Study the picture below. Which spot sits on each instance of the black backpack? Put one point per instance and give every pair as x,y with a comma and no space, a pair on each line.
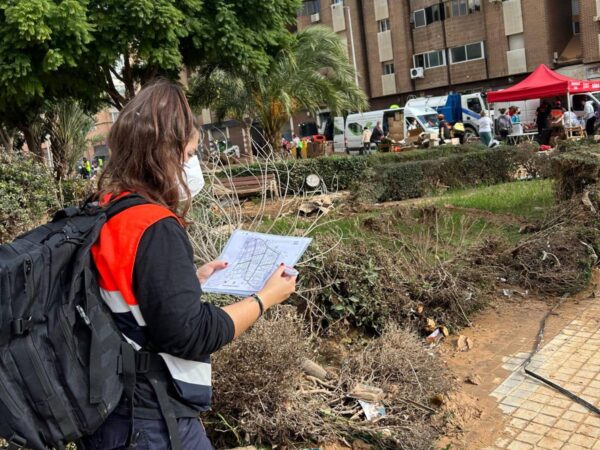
64,364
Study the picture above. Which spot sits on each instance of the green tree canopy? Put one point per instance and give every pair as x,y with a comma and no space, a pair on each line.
313,72
86,49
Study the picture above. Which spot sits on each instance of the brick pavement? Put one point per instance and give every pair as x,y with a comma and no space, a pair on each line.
541,417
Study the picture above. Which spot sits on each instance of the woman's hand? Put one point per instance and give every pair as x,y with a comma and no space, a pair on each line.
278,288
205,271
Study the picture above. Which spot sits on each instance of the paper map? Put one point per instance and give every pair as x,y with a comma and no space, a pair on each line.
252,258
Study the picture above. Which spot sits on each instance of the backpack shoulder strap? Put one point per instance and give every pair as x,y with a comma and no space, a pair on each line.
123,203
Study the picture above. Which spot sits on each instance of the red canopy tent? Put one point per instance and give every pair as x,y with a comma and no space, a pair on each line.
543,83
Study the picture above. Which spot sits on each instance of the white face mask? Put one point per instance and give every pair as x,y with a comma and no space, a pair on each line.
193,176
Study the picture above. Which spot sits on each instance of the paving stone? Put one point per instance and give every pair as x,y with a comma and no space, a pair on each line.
584,441
552,411
518,423
537,428
589,430
550,443
566,425
559,434
529,438
573,416
515,445
544,420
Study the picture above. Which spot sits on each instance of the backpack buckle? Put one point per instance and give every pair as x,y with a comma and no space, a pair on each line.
21,326
15,442
142,362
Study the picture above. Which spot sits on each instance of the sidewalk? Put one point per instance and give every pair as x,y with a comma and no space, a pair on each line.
542,418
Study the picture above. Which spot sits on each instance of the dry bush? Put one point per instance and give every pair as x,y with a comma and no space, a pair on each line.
255,378
411,377
559,257
261,395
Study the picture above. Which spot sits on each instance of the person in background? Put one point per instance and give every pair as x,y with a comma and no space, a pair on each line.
377,134
589,117
297,145
366,140
485,129
443,128
412,124
458,131
571,119
516,116
542,113
504,124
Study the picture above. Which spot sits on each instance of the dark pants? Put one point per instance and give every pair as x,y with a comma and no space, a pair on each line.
153,435
589,126
503,134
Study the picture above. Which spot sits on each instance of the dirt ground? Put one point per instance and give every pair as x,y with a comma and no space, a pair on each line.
508,326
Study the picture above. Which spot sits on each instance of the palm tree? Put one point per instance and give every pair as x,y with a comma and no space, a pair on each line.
312,73
68,125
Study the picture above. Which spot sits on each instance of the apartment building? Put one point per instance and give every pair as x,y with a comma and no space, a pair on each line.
427,47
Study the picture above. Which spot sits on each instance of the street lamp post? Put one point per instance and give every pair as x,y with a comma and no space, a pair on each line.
347,8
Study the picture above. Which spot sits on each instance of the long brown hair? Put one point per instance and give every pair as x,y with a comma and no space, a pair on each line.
147,144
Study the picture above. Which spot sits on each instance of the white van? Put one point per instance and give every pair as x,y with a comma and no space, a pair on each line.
348,137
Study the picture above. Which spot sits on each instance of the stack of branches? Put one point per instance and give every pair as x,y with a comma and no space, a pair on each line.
558,257
217,212
266,392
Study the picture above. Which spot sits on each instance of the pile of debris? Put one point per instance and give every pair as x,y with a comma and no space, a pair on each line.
270,390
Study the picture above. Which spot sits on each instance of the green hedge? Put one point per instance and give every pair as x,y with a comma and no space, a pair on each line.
340,172
576,169
414,179
27,195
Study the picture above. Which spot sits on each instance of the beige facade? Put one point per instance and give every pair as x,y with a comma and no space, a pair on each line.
460,44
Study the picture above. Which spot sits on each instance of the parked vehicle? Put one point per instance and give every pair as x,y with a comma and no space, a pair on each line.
465,108
215,148
348,133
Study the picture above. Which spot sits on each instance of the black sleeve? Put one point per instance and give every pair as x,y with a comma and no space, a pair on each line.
168,293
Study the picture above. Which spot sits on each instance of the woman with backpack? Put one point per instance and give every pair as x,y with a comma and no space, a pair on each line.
148,280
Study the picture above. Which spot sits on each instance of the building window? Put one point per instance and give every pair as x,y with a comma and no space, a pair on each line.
337,2
455,8
430,60
419,18
576,29
114,116
383,25
469,52
423,17
310,7
388,68
459,8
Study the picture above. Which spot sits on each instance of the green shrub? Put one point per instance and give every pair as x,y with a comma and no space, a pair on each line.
378,159
339,172
27,195
75,191
414,179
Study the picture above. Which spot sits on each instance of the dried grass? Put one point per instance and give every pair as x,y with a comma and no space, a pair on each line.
263,397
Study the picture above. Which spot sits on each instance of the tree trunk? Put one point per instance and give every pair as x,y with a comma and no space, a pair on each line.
34,145
6,140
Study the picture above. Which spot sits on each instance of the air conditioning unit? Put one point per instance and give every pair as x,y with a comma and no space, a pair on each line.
596,18
417,72
315,17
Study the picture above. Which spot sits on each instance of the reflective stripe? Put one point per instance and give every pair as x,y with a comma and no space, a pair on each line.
134,344
190,372
118,305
